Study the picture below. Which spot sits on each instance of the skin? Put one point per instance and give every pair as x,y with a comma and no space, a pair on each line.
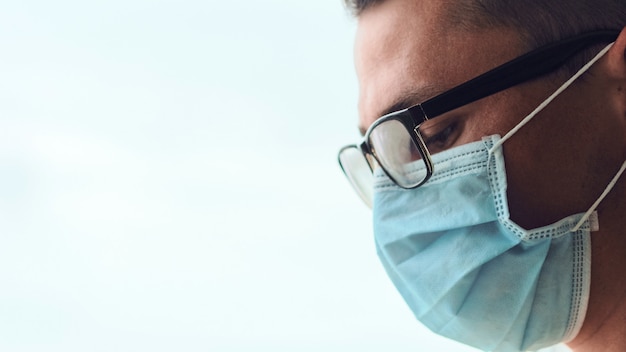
557,165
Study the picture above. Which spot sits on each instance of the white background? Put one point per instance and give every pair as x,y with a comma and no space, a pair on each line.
168,182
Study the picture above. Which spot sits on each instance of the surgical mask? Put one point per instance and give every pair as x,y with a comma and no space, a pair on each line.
470,273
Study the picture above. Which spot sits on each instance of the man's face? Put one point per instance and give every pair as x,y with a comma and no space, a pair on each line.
408,51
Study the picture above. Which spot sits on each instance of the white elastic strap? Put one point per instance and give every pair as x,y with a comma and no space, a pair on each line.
551,97
595,205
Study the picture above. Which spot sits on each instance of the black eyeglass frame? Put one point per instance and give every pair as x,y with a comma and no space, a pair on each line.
531,65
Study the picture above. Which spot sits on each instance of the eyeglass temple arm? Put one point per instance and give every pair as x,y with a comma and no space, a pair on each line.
528,66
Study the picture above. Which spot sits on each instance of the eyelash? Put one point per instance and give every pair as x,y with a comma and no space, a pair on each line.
442,140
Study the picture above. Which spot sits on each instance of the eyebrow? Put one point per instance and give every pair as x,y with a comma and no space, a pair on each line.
407,99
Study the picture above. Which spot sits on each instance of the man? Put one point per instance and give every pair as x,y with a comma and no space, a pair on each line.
501,258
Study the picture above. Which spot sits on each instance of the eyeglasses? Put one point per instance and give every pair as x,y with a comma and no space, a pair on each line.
401,142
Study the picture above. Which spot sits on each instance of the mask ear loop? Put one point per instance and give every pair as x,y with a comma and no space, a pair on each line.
550,98
541,107
597,202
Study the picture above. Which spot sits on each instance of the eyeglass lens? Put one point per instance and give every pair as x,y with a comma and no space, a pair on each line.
358,171
397,152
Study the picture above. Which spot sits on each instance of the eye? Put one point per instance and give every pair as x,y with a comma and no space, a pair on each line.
441,135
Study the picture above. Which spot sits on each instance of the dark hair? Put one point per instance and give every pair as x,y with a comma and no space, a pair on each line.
538,22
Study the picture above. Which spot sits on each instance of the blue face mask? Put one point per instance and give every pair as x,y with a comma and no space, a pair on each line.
466,270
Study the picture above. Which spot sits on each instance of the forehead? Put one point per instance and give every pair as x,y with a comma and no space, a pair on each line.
407,51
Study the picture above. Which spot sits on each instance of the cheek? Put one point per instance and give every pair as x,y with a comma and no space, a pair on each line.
535,180
542,158
555,166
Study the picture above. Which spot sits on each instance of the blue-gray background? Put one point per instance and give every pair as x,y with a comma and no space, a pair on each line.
168,182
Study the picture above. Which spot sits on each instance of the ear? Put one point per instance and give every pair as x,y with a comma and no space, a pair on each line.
616,57
616,68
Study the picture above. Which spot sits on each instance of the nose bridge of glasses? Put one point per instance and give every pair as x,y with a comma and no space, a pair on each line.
371,161
365,151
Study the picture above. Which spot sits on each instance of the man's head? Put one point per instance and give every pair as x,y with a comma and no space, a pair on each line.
408,51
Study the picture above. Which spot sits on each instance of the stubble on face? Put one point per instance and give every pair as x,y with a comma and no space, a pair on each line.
407,51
